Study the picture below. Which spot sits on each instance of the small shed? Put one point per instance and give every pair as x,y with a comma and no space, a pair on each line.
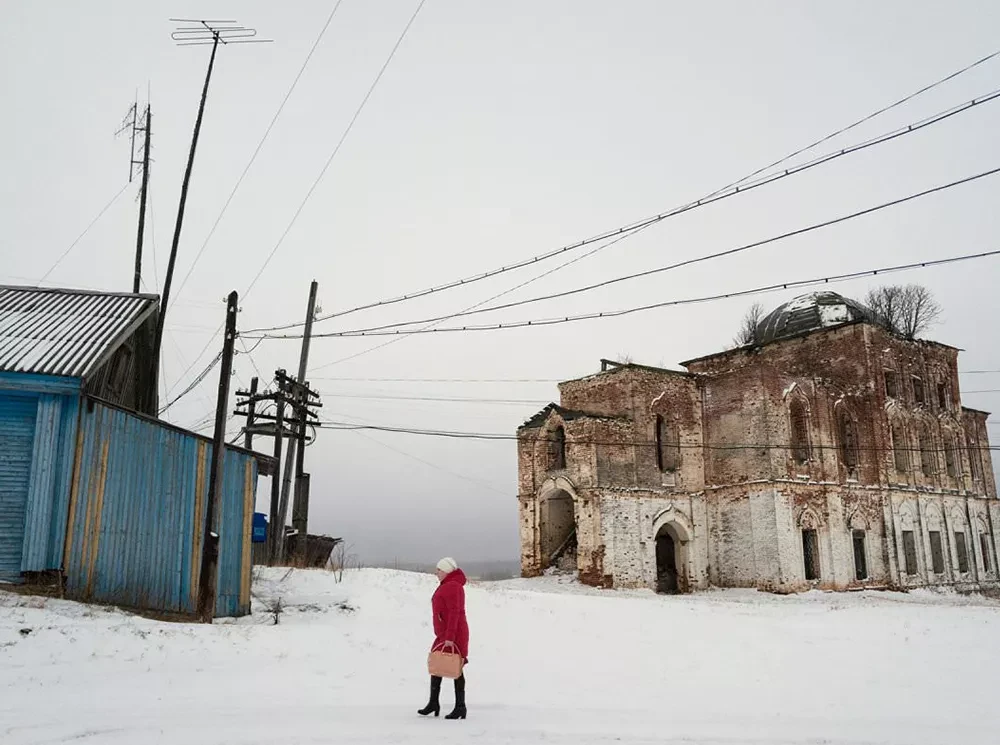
92,485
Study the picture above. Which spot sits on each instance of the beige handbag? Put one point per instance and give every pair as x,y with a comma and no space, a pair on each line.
445,661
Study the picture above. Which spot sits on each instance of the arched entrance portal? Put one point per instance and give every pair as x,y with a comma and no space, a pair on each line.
671,560
557,531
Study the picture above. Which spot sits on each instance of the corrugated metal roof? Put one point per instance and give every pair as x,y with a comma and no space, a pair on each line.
65,332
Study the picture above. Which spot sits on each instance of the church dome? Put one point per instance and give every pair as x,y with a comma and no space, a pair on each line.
812,312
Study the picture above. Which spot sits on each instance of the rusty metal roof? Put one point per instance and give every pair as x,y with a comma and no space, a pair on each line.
65,332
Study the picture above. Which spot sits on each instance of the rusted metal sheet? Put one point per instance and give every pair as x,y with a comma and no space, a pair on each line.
137,515
65,332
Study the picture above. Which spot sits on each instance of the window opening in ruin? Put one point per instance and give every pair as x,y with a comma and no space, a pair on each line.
800,431
860,556
949,457
963,553
810,554
849,443
975,465
937,555
890,384
927,459
668,446
557,455
918,391
668,578
984,545
910,552
899,450
942,391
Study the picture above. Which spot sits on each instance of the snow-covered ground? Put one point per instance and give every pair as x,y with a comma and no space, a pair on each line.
550,662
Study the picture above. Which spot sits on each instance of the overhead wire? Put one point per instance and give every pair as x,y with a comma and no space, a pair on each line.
687,301
428,463
669,267
441,380
601,246
725,192
323,171
447,399
507,437
260,144
86,230
336,149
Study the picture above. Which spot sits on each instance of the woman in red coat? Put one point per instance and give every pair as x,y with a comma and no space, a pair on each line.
450,626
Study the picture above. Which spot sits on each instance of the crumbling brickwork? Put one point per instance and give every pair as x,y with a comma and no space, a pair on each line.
838,456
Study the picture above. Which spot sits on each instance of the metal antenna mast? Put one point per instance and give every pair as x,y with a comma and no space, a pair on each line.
196,32
133,123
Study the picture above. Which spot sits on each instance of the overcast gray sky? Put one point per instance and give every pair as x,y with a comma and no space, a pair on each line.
499,131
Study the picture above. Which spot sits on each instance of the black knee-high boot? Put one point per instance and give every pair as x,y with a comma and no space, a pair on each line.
434,705
460,711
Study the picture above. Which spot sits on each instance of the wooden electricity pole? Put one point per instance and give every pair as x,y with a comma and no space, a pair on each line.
148,129
210,542
251,410
180,208
300,398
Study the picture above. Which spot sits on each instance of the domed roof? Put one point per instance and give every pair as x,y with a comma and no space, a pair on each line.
817,310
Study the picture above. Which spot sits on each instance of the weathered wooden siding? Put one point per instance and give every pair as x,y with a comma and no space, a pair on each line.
137,512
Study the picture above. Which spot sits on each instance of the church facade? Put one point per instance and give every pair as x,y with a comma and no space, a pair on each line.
830,454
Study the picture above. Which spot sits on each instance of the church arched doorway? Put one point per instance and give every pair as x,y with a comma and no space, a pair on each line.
671,560
557,537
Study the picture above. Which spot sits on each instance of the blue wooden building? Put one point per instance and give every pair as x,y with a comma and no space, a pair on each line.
94,487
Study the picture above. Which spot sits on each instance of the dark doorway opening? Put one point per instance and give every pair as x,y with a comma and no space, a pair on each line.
810,554
860,556
671,577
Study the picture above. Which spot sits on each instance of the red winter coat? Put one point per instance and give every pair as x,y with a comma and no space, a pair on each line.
448,605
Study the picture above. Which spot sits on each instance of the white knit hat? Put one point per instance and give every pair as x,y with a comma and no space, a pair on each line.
447,565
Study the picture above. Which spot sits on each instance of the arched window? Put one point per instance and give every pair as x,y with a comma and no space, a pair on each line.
950,461
848,442
799,416
900,449
928,461
668,445
557,450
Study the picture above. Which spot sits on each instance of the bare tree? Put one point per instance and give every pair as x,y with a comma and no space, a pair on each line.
747,333
907,310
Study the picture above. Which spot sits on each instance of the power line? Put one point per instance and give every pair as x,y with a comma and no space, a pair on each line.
718,195
971,372
988,390
677,265
449,399
668,303
430,464
322,172
442,380
194,384
499,436
601,246
336,149
85,231
260,145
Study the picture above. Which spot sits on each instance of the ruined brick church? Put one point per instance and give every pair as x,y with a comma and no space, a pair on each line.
830,453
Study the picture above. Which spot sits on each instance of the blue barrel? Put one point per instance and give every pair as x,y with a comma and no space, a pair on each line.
259,527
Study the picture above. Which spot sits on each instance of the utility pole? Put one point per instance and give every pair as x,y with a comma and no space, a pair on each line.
300,391
200,33
147,128
276,530
251,410
210,542
183,202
